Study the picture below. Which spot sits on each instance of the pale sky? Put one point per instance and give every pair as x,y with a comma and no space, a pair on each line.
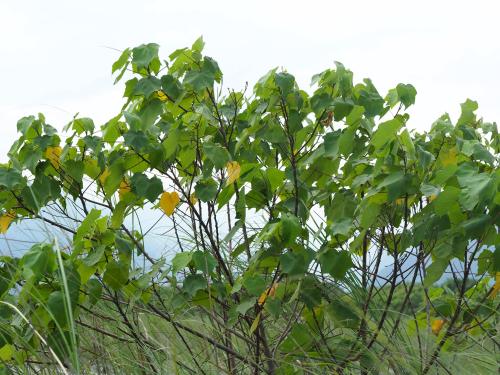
56,55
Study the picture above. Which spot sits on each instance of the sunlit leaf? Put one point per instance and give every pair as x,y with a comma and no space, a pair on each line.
6,219
437,325
168,202
233,172
53,154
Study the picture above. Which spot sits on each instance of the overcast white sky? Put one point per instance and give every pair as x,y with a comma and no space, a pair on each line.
54,55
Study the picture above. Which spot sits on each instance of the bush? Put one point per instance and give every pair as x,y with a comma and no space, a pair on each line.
310,231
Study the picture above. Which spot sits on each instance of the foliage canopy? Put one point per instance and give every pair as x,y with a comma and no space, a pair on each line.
298,219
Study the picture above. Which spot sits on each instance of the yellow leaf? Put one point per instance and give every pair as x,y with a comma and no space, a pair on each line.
255,324
53,154
437,325
233,171
104,175
449,157
5,220
6,352
496,286
169,201
193,199
161,95
124,188
269,292
432,197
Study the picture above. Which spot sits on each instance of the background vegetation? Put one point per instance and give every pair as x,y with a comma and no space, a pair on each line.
312,233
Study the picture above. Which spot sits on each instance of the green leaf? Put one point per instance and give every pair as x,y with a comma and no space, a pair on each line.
275,177
83,125
171,142
95,256
193,283
198,45
404,93
342,226
370,99
118,214
343,314
144,187
203,261
246,305
144,55
254,284
180,261
310,292
121,62
285,82
289,229
369,214
332,143
435,271
485,262
386,132
200,79
24,124
56,307
217,154
38,261
206,190
296,262
94,290
425,158
11,178
398,184
476,226
320,102
341,108
116,275
147,86
171,86
407,143
41,191
87,225
445,200
467,117
496,259
476,187
335,262
299,339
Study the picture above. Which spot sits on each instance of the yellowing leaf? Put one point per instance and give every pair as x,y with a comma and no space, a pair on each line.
5,220
91,168
53,154
255,323
6,352
169,201
496,286
124,188
161,95
432,197
437,325
449,157
193,199
104,175
269,292
233,171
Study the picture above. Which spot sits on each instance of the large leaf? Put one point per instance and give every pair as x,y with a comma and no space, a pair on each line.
335,262
386,132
